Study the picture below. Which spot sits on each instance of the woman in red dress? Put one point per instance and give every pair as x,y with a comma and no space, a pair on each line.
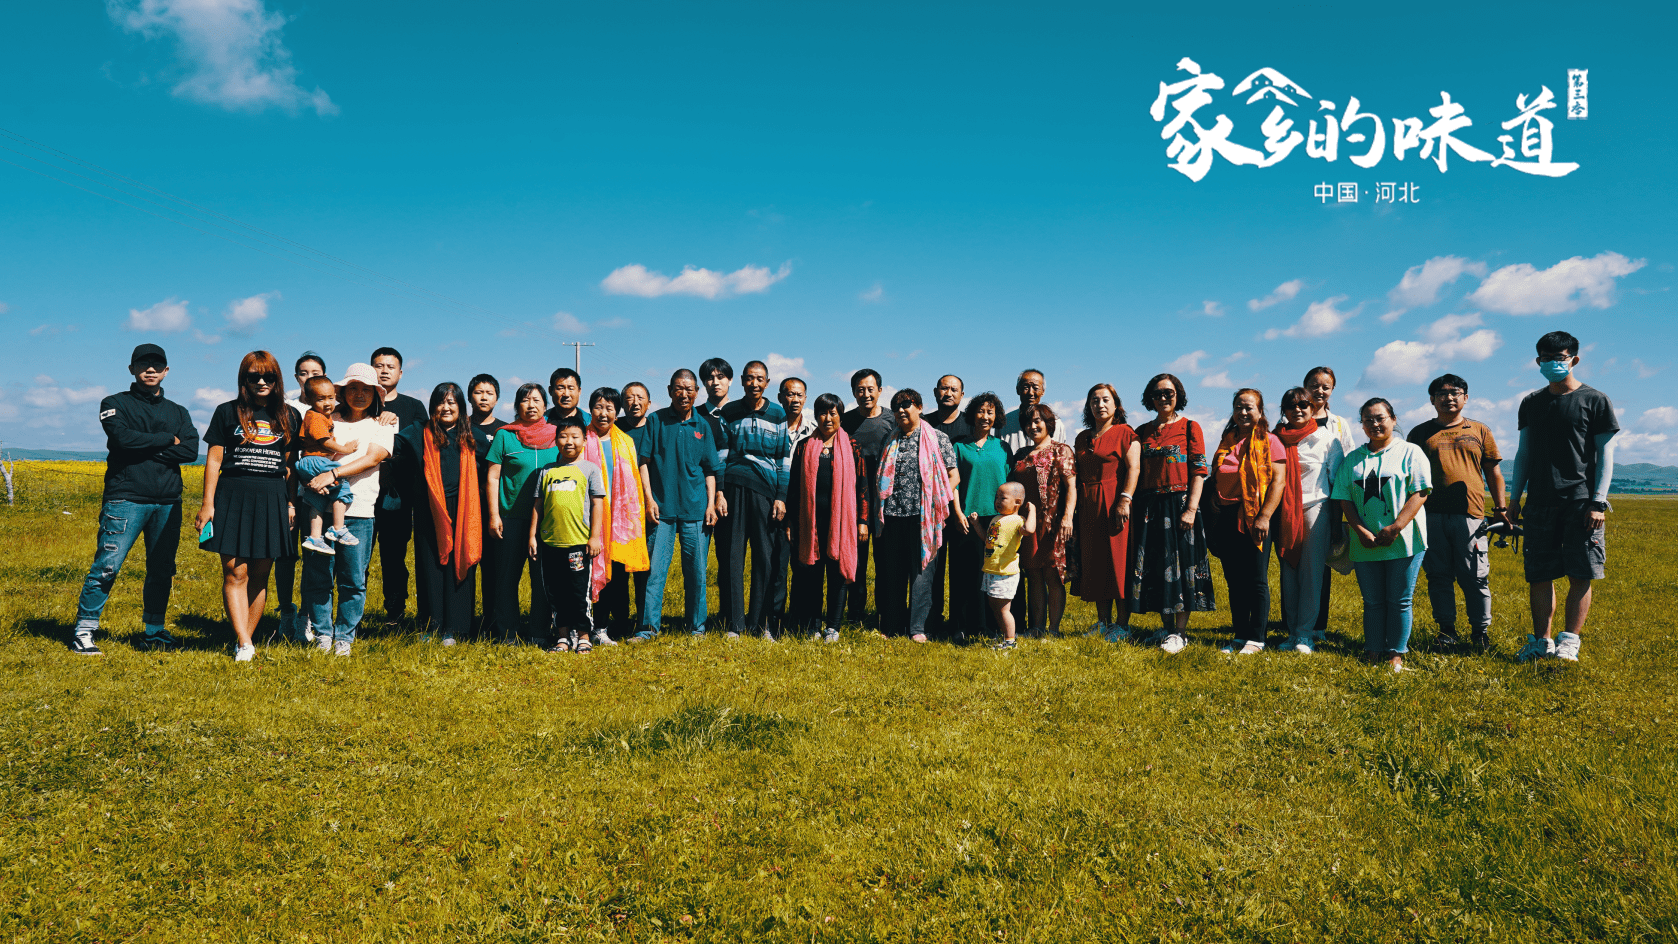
1051,483
1109,461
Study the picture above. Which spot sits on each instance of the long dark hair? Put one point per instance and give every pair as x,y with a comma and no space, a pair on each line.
1118,405
263,362
442,392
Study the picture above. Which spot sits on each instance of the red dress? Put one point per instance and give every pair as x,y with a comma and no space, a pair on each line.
1045,476
1103,552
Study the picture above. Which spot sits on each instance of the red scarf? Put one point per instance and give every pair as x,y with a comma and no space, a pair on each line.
842,521
535,434
466,533
1290,517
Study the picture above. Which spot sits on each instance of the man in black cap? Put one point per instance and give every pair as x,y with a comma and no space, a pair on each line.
148,438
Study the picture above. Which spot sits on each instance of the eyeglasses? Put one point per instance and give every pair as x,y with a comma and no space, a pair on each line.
269,379
1450,394
1553,357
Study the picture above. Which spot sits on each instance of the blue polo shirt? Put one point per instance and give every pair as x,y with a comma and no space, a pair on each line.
679,454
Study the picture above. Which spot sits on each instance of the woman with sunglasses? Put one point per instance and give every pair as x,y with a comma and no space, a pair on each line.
1169,572
1314,454
247,509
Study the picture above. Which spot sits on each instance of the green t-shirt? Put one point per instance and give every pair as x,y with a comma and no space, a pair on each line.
1378,484
518,463
563,494
982,469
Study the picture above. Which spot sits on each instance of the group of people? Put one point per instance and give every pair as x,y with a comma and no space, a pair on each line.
590,500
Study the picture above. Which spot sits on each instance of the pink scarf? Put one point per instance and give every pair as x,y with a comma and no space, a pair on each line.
625,520
935,488
841,532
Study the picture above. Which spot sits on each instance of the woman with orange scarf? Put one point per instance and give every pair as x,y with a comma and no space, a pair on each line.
437,459
625,527
1249,475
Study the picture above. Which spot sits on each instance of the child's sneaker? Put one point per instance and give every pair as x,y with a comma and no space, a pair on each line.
1174,643
1538,649
342,536
318,545
1567,647
1006,645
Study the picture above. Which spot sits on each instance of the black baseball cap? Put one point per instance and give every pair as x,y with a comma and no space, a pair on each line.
149,353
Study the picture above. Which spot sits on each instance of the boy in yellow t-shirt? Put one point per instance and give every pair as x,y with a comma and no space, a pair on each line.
566,531
1002,555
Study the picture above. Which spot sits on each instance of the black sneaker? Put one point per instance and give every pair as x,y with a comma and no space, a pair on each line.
161,642
1446,641
1482,640
82,645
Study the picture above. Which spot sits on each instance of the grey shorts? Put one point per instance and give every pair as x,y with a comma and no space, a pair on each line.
1558,543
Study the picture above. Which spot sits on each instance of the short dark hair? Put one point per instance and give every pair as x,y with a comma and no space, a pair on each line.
907,395
1558,342
311,388
1148,390
959,382
1019,381
1320,369
1038,409
971,413
751,364
574,421
793,380
382,352
858,377
682,373
716,365
560,373
1446,380
1118,405
637,383
484,379
312,356
1377,401
605,393
524,391
1295,394
827,402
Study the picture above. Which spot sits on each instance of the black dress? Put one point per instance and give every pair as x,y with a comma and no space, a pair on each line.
251,520
450,602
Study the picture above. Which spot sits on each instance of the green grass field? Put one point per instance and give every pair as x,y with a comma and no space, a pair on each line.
872,790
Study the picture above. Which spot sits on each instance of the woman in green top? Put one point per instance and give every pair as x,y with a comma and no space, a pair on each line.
520,449
1382,487
982,460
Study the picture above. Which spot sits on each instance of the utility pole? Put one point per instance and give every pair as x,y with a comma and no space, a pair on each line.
579,345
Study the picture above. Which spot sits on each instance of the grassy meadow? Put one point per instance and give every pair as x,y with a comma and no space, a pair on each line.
871,790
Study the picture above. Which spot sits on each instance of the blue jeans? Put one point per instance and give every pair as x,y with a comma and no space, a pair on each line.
310,466
1387,588
349,567
695,546
121,523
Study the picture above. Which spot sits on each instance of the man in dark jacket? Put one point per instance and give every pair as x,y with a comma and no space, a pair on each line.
148,438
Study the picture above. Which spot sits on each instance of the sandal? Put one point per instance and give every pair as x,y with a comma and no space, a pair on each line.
582,646
563,645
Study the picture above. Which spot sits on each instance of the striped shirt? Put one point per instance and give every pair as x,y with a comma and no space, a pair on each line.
756,450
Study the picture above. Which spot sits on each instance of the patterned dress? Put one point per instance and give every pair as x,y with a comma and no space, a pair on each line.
1169,570
1047,476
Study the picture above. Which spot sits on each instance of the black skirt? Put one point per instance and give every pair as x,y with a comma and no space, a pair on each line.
250,520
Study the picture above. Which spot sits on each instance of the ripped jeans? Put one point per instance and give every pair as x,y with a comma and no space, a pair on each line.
121,523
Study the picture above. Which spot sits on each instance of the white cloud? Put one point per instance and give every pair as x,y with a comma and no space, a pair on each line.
200,336
1320,319
1218,381
567,323
230,51
1442,342
1210,307
47,395
782,367
1421,284
1644,371
50,330
614,323
1661,417
1284,292
1187,364
874,294
1417,414
747,280
1524,290
4,308
167,316
209,397
245,315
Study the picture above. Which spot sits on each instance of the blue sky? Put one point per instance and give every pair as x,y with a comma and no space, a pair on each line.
918,188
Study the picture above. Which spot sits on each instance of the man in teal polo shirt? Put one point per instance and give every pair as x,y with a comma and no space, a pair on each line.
681,462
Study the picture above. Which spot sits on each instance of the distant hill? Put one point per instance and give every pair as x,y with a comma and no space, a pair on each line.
60,455
1634,477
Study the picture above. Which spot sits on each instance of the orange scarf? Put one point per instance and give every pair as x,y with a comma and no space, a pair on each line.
1255,471
466,533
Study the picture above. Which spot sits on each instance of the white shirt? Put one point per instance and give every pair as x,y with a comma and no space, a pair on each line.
364,486
299,406
804,430
1320,455
1016,439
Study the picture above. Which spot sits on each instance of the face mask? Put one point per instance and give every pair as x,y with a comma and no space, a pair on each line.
1555,371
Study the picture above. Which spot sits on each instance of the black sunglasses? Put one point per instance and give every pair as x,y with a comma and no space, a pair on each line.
269,379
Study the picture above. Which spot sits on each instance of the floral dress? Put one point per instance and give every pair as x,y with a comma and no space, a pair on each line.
1047,476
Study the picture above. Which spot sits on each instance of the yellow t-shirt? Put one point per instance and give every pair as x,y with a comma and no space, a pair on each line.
563,499
1002,545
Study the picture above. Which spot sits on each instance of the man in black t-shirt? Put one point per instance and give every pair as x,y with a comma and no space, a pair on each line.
869,424
948,420
1564,465
393,519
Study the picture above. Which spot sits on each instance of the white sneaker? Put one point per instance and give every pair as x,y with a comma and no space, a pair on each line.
244,654
448,640
1567,647
323,643
341,647
1304,647
830,635
604,638
1174,643
732,635
319,546
342,536
1538,649
768,636
1252,648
